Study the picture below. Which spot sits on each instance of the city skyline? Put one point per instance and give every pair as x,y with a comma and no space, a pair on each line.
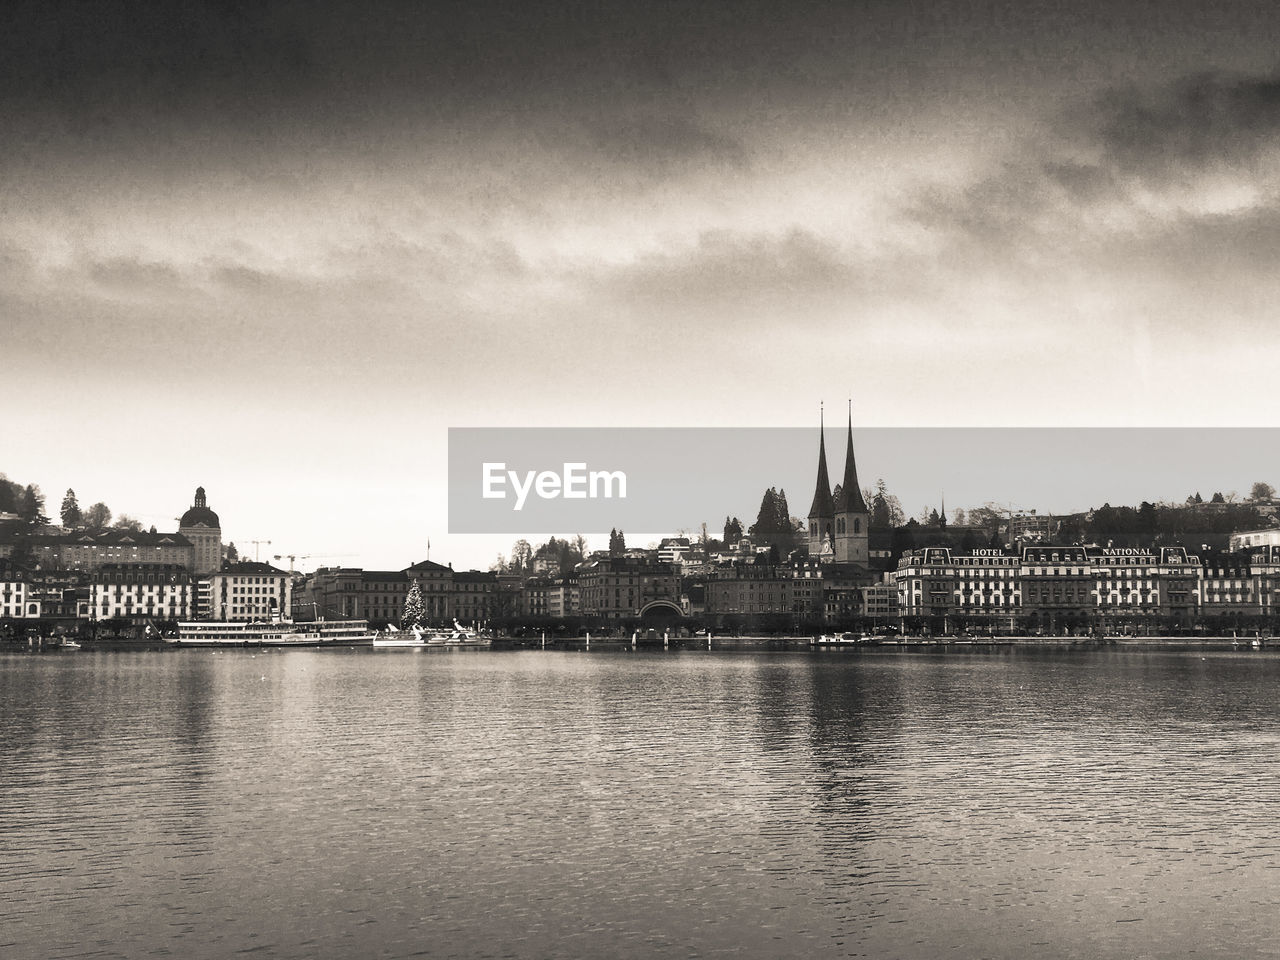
290,250
1055,472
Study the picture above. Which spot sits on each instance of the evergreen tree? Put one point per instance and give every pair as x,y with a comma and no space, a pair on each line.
31,505
70,509
415,609
617,543
233,554
732,531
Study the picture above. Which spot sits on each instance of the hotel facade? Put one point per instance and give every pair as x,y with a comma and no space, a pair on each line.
1073,590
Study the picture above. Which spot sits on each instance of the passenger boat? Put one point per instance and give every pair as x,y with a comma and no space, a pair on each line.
417,637
280,633
840,640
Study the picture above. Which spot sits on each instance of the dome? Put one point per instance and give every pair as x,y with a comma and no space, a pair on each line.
199,513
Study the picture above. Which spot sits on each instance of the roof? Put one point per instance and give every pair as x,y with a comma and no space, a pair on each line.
424,565
113,538
822,505
200,514
389,576
850,500
250,568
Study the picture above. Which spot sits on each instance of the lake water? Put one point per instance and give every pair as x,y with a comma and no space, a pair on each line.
351,803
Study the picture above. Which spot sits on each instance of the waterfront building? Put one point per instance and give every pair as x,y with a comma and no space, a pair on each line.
474,595
382,596
622,588
42,593
753,587
350,593
1058,589
435,581
203,530
1230,589
1074,590
250,591
880,601
562,597
17,601
809,587
693,599
533,598
140,592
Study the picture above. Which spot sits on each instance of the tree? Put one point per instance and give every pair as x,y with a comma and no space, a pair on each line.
1262,491
1217,498
31,505
1146,525
959,520
97,517
415,610
521,555
773,525
881,513
233,554
617,543
70,512
126,522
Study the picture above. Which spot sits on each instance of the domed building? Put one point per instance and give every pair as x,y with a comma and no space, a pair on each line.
200,525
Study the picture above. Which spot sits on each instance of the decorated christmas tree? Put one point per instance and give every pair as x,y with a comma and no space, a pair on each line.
415,610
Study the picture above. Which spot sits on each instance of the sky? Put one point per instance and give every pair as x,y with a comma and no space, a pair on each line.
279,249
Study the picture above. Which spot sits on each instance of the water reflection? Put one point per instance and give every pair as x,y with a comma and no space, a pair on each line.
1094,803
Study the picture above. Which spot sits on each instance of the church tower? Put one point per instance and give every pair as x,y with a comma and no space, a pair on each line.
822,513
852,518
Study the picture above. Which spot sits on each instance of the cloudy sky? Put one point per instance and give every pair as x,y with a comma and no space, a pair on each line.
279,252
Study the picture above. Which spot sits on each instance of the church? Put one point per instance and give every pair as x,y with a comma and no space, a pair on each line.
839,522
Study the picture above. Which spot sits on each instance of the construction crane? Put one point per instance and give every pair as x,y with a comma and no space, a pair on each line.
256,544
291,557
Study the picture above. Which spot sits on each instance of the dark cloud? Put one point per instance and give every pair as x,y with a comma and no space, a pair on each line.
1096,168
657,143
1184,127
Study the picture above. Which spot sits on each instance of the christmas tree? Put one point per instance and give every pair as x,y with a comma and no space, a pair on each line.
415,610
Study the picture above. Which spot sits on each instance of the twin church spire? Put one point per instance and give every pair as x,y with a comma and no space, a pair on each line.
838,525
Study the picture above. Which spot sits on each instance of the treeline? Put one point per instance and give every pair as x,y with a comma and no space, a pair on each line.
558,557
28,502
1149,525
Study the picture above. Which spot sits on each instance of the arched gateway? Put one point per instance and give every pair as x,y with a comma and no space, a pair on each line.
660,612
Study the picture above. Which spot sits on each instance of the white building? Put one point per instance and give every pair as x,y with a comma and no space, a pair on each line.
250,591
1245,539
140,591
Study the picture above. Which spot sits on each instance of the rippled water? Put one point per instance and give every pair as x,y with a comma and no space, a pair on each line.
359,804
